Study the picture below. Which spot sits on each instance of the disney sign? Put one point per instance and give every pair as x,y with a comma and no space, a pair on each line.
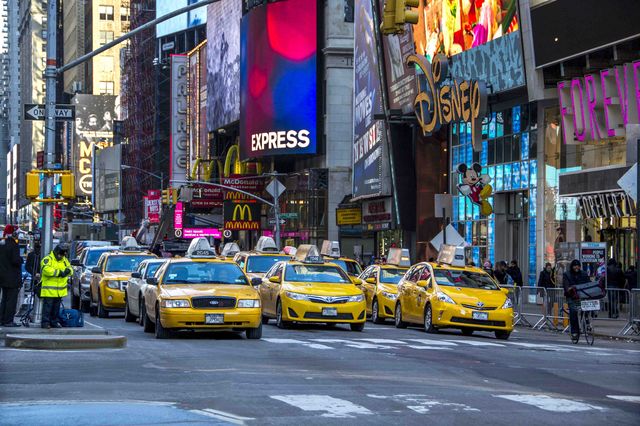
446,99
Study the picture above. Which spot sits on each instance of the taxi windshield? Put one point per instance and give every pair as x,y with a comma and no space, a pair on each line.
125,263
94,255
352,268
457,278
391,276
204,273
152,268
261,264
316,273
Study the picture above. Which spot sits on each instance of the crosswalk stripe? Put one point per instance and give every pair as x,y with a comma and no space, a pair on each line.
354,344
423,404
298,342
547,403
433,348
476,343
330,406
626,398
434,342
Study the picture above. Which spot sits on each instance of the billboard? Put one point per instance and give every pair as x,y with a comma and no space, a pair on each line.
93,126
278,80
369,133
454,26
241,215
179,140
198,147
181,22
223,63
107,175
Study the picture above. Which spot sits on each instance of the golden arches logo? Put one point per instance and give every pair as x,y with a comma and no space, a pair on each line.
244,210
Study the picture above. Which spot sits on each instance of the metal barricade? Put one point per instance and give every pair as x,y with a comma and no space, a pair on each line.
557,316
534,307
513,295
633,326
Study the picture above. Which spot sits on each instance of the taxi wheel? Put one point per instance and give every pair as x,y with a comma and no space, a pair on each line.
428,320
375,317
146,321
254,333
85,307
102,312
161,332
93,311
280,323
265,319
399,322
140,311
359,326
502,335
128,316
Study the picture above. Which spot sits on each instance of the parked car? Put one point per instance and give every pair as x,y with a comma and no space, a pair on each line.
81,277
136,288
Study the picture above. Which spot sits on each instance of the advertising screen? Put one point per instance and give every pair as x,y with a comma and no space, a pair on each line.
223,63
453,26
278,80
181,22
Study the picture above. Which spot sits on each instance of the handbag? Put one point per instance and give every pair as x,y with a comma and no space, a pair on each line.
591,290
70,317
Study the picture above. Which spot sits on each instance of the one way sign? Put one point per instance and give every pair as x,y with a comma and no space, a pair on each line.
36,112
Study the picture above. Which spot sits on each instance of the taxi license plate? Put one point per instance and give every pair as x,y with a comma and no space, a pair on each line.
329,312
590,305
214,318
480,316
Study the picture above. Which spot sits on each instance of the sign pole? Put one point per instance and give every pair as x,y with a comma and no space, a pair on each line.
637,208
276,213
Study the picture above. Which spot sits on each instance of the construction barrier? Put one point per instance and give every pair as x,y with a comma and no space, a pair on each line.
633,325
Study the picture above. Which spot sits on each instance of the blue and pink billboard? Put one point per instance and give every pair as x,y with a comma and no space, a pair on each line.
278,80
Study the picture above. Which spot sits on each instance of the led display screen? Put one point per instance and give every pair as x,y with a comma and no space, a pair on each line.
195,17
278,79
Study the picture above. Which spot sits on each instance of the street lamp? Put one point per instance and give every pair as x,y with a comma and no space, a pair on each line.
160,177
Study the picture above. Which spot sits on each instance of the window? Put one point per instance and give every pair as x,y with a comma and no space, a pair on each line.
105,88
106,37
106,13
415,274
124,14
106,63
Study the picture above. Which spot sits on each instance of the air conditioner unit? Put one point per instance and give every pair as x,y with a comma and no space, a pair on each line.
77,86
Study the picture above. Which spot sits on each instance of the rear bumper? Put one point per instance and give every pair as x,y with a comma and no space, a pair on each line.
195,318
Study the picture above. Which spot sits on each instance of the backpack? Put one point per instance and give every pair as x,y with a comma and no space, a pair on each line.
591,290
70,317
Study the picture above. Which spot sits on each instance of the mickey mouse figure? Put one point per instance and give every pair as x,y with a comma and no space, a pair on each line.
476,186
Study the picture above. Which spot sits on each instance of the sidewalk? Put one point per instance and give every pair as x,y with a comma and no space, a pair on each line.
611,328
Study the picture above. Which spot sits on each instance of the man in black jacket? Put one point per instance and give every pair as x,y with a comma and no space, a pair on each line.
571,278
10,276
515,273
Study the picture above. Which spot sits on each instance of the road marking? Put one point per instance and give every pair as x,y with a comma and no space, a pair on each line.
422,404
542,346
434,342
433,348
354,344
217,416
547,403
298,342
95,325
386,341
477,343
626,398
332,407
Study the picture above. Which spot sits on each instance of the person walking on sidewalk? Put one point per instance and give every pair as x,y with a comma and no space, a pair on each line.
55,272
571,278
615,281
545,282
10,276
515,273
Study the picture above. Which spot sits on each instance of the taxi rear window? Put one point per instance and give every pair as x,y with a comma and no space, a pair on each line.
316,273
352,268
456,278
204,273
261,264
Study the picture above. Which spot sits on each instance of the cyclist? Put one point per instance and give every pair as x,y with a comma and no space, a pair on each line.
571,278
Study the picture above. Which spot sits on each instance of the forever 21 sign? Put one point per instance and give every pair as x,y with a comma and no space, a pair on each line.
612,204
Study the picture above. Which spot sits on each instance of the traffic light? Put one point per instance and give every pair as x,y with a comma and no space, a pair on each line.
388,25
404,16
169,196
68,185
32,185
165,196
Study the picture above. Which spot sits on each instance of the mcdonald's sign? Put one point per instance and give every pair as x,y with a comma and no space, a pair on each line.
241,216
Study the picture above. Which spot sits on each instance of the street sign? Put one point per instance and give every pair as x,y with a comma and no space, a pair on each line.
273,221
629,182
275,188
36,112
226,233
289,215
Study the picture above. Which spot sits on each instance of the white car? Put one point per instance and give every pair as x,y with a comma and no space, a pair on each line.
136,286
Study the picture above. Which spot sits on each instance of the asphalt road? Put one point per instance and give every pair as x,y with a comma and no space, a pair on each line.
322,375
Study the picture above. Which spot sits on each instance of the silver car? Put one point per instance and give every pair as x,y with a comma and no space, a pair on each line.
136,287
82,275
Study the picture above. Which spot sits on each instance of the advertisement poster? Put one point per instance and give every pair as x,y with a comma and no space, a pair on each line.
223,63
278,80
369,134
179,136
153,205
107,174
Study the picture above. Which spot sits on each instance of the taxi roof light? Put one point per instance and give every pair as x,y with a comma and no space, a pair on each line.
266,245
399,257
330,248
129,243
451,255
308,253
230,249
200,248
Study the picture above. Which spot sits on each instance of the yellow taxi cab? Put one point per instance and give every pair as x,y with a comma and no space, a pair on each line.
308,289
201,292
110,276
380,284
331,253
257,262
448,294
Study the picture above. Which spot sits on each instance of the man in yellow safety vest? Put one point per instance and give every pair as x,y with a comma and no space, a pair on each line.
55,272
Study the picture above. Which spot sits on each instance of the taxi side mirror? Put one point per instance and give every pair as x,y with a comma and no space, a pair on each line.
256,281
356,281
96,270
76,262
136,275
152,281
424,284
505,291
275,280
371,280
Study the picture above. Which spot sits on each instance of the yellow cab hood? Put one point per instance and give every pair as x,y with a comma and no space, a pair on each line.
389,288
471,296
322,289
194,290
122,276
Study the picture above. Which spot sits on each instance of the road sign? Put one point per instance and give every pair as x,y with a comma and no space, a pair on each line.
273,221
36,112
629,182
275,188
226,233
289,215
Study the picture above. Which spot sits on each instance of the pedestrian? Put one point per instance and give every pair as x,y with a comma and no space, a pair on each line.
10,276
615,282
546,281
632,278
488,267
515,273
500,273
55,272
32,265
571,278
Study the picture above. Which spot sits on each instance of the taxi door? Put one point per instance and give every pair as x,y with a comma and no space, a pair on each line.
423,293
94,284
404,289
369,289
269,290
411,308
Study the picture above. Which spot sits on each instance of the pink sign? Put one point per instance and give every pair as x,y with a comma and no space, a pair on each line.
267,234
201,232
152,202
177,216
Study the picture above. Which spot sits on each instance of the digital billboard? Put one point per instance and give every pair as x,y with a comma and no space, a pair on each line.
453,26
278,79
223,63
181,22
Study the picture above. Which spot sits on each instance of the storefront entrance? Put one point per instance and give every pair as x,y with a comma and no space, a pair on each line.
512,228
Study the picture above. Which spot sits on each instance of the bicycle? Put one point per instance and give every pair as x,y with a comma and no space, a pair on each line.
587,311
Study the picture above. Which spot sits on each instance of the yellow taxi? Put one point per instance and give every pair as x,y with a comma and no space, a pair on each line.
308,289
447,294
331,253
257,262
200,292
110,276
380,284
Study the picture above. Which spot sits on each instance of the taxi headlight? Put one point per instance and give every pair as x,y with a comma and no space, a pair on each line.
507,304
390,296
113,284
443,297
248,303
175,303
296,296
357,298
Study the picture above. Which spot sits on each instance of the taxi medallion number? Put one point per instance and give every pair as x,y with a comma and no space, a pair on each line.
214,318
480,316
329,312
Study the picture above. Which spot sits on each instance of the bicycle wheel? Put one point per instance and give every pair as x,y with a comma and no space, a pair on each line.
588,330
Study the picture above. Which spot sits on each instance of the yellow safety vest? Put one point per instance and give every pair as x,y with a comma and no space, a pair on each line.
53,285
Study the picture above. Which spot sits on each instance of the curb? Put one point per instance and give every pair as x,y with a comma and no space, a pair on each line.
53,331
64,342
